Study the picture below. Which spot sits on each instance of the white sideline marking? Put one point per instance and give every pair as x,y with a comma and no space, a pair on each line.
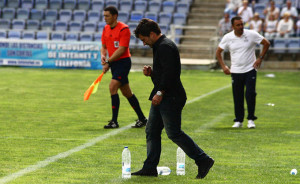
209,93
90,143
212,122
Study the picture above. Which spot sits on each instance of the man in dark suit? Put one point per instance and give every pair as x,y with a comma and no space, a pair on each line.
168,99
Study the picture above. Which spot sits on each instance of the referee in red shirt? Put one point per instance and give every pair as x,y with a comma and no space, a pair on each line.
115,42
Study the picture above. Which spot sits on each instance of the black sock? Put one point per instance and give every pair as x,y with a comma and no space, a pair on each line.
136,106
115,103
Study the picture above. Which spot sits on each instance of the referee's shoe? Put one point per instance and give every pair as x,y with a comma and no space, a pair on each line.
140,123
111,124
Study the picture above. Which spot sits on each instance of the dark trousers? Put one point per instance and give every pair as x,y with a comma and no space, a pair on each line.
239,81
168,115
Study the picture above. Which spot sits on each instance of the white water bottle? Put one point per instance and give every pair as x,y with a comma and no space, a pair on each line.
180,162
126,163
163,170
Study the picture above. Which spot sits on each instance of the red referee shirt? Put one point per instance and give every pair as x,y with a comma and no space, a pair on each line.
115,37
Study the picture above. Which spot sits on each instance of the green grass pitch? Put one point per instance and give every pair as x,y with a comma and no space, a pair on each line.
42,114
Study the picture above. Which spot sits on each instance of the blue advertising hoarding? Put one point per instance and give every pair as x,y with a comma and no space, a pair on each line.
50,54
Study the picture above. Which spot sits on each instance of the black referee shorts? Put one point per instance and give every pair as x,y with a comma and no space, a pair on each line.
120,70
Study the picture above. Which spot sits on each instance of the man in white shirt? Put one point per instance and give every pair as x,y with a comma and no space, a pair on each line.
246,13
289,9
241,44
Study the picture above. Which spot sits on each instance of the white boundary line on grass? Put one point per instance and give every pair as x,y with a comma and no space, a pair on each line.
90,143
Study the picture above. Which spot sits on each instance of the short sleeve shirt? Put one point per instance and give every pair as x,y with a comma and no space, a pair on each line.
242,49
115,37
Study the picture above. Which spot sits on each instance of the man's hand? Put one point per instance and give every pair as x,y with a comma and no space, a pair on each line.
147,70
257,63
103,59
156,100
105,68
226,70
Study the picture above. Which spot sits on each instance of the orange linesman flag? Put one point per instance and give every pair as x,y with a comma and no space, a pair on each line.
93,88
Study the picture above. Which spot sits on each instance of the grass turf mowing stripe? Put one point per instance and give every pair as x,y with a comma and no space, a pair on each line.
90,143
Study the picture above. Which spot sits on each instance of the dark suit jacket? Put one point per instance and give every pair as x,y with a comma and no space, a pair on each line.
166,69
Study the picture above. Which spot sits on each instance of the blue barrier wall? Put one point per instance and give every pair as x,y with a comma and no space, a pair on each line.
50,54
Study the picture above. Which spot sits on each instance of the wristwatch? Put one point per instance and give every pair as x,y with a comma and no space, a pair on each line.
159,93
107,62
261,57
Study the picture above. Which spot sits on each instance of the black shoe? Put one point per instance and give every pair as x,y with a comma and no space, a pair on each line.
204,167
112,124
139,123
146,172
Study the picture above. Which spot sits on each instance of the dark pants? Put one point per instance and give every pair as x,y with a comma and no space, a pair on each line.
168,115
239,81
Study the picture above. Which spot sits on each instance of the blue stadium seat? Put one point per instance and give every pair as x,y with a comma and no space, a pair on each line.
2,3
47,25
41,4
165,18
164,28
61,25
89,26
179,18
279,2
42,35
79,15
65,15
86,37
23,13
140,5
71,36
32,24
55,4
13,3
136,16
182,7
83,4
18,24
259,8
28,35
8,13
14,34
27,4
132,26
58,36
51,14
293,45
97,5
94,16
114,3
154,6
101,26
5,24
126,5
178,32
3,34
263,1
123,16
279,45
69,4
36,14
151,15
168,6
97,37
75,26
133,42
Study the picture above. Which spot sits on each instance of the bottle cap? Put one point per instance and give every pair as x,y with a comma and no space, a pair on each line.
126,147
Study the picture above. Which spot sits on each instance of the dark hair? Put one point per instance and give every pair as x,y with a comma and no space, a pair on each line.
112,10
145,27
235,18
